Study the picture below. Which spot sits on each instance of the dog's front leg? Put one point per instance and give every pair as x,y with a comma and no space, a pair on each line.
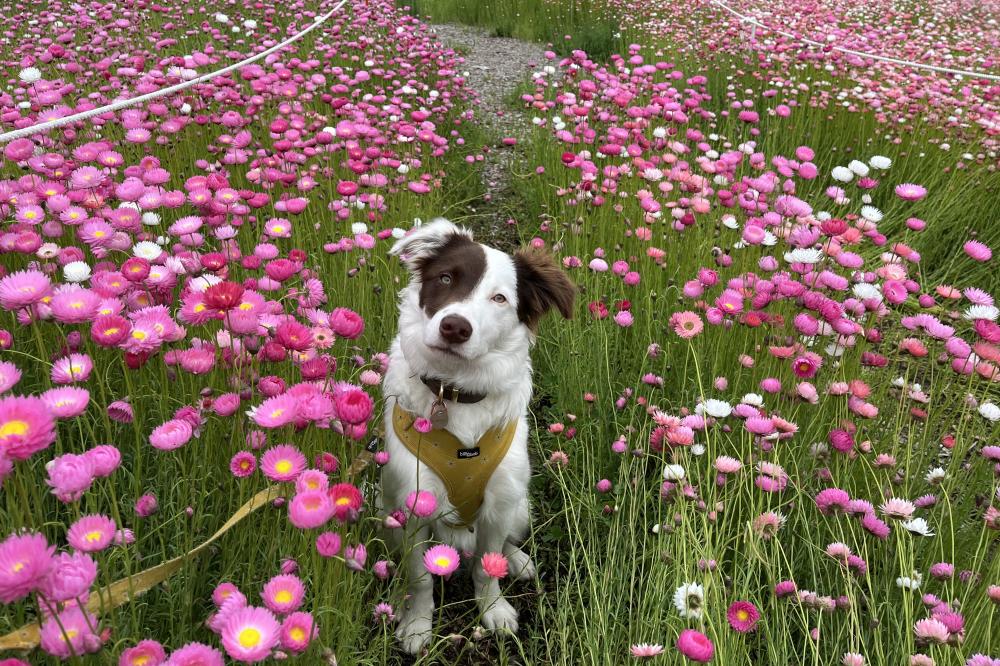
497,611
414,631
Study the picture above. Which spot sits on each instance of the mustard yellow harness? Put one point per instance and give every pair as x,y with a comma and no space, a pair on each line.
464,471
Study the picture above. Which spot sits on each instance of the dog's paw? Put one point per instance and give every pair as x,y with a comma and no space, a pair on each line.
500,615
520,565
414,632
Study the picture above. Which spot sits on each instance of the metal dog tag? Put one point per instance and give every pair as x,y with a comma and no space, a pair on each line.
439,415
439,411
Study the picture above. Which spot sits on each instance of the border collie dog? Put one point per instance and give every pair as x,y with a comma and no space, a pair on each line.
467,321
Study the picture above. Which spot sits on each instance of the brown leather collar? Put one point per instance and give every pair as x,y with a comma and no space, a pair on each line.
452,393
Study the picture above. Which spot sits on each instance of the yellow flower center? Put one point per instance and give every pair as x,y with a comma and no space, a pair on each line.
442,561
76,305
246,306
199,307
297,634
343,501
99,234
742,615
17,567
283,466
283,596
93,536
275,414
141,660
75,368
71,634
139,335
249,637
16,427
111,331
278,229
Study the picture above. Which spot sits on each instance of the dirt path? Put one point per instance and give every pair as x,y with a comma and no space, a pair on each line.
497,66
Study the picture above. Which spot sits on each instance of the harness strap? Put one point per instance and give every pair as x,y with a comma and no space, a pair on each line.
464,471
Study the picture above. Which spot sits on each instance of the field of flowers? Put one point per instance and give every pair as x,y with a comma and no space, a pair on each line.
770,434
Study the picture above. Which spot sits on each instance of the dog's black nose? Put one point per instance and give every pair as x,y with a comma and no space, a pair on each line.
455,329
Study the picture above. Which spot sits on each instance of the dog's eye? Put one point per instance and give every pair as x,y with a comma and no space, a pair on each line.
499,298
445,278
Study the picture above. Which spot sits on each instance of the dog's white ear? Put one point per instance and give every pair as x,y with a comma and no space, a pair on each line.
423,241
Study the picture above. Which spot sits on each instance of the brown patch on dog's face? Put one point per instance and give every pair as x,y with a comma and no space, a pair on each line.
541,285
451,273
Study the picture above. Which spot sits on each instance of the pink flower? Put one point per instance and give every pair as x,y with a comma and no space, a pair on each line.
494,565
441,560
23,288
282,463
910,192
26,426
145,653
297,631
347,500
146,506
686,324
276,412
171,435
283,594
91,533
346,323
70,476
624,318
645,650
328,544
242,464
25,561
71,369
353,405
249,634
695,646
978,251
70,577
196,654
742,616
309,509
70,633
422,503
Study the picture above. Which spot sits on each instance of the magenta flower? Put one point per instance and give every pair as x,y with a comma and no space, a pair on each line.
26,426
441,560
742,616
171,435
282,463
249,634
25,561
695,646
297,631
283,594
91,533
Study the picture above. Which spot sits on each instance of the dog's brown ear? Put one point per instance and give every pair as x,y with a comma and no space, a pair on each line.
541,286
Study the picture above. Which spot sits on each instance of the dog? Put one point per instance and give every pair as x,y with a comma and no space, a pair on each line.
467,321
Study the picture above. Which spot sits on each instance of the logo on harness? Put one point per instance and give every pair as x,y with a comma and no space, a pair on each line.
468,453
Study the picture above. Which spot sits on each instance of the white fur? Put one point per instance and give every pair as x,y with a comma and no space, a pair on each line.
494,362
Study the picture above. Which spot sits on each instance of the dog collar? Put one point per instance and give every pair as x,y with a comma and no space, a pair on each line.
449,392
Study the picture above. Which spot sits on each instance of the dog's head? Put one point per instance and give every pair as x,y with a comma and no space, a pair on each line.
467,300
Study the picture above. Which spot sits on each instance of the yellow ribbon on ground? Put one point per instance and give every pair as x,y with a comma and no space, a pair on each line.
123,590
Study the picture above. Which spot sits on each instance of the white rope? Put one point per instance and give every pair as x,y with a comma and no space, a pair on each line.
121,104
757,24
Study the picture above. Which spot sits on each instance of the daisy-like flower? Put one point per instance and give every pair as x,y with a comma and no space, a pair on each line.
70,633
987,410
30,74
872,214
249,634
911,582
719,409
646,650
977,250
988,312
91,533
441,560
880,162
767,524
171,435
145,653
275,412
931,630
66,402
71,369
282,463
23,288
9,376
297,631
196,654
910,192
742,616
26,427
686,324
917,526
309,509
842,174
25,561
494,565
804,255
689,600
897,508
283,594
147,250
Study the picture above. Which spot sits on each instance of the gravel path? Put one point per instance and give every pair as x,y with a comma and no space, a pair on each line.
497,66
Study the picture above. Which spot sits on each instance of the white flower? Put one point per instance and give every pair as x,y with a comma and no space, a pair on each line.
842,174
755,399
403,169
147,250
76,271
689,599
660,132
880,162
697,449
804,255
871,213
935,476
866,291
719,409
30,74
918,526
729,221
989,411
185,108
673,472
221,18
982,312
47,251
858,167
398,233
359,228
250,24
910,582
150,219
203,282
